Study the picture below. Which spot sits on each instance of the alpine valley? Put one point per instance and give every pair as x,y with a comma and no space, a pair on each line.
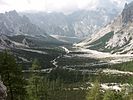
83,55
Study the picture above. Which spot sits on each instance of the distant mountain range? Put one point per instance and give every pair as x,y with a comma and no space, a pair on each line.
116,37
79,24
12,25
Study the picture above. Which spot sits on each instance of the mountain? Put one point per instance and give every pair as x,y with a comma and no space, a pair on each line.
116,37
79,24
3,90
13,25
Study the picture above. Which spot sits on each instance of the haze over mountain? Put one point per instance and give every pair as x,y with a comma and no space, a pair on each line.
66,6
67,18
26,33
64,27
77,24
80,22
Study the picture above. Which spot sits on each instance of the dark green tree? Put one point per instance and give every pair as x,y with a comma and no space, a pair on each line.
113,95
11,75
94,93
37,84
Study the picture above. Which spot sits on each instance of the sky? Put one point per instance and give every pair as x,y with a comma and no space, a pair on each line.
65,6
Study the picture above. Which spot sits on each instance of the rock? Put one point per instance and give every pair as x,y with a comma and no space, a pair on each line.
3,91
127,13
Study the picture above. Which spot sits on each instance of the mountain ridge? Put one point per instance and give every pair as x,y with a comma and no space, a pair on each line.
13,25
79,24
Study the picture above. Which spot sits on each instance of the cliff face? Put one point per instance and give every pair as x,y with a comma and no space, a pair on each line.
127,14
3,91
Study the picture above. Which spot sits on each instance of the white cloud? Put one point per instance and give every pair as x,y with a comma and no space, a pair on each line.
55,5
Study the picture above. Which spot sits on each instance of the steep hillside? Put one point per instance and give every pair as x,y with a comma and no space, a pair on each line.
115,37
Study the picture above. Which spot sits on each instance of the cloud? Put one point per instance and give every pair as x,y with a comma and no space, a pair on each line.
69,6
48,5
3,2
29,1
57,5
121,3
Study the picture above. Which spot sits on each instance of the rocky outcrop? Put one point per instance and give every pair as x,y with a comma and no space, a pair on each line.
3,91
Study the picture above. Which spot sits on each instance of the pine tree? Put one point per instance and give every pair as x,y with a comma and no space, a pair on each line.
113,95
109,95
94,93
127,92
11,75
37,87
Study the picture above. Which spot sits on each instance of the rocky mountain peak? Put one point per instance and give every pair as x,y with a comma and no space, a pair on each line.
127,13
80,23
13,12
125,5
11,23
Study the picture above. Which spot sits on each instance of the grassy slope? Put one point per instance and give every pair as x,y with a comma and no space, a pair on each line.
101,43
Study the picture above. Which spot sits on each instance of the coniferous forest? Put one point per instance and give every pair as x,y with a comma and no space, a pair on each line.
61,84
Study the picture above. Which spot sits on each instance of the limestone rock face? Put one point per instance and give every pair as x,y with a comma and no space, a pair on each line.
3,91
127,14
